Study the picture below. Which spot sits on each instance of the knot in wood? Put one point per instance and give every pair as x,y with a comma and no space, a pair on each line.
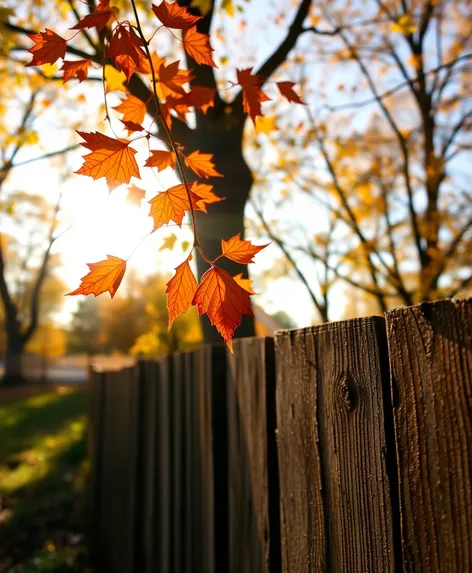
348,391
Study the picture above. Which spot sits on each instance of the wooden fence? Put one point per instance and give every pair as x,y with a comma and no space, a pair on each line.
345,447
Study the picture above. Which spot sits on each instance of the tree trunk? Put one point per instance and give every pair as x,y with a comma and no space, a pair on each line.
13,373
225,219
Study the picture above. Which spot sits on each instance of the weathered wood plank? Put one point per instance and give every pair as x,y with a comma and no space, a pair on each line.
162,469
334,488
430,348
250,379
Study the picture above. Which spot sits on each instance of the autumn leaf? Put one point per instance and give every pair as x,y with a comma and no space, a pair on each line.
104,276
132,108
161,159
199,97
48,48
198,47
239,250
126,50
175,16
246,284
180,291
205,195
169,242
228,7
110,158
265,124
170,79
114,79
135,195
253,95
201,164
286,89
224,300
77,69
97,19
131,126
171,205
404,25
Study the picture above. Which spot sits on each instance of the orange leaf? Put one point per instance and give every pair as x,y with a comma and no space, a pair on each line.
286,89
126,50
171,205
132,108
48,48
180,291
175,16
201,164
135,195
246,284
103,276
161,159
199,97
170,79
253,96
97,19
77,69
110,158
198,47
205,195
221,297
239,250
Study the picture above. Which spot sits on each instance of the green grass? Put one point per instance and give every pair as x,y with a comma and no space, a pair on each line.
42,484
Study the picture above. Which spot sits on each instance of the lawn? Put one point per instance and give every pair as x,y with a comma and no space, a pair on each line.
43,471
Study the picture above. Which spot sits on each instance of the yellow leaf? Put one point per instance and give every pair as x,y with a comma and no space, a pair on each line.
169,242
185,245
203,5
228,6
114,79
265,124
404,25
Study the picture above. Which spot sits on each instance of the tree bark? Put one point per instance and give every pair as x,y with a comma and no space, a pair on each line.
13,373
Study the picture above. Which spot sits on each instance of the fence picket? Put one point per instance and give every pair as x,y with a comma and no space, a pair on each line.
335,498
431,369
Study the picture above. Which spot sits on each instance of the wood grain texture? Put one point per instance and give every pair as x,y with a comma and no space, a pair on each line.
177,436
250,531
430,348
334,487
119,463
162,469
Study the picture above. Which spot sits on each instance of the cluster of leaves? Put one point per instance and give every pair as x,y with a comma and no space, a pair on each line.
222,297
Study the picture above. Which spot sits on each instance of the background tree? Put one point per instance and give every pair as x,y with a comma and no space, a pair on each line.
382,149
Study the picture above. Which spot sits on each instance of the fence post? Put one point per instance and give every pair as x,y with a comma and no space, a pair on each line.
430,348
254,529
334,487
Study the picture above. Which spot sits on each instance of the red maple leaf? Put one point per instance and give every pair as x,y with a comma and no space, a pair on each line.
131,126
97,19
77,69
239,250
221,297
205,195
104,276
180,291
286,89
48,48
198,47
110,158
170,79
126,50
175,16
199,97
253,95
